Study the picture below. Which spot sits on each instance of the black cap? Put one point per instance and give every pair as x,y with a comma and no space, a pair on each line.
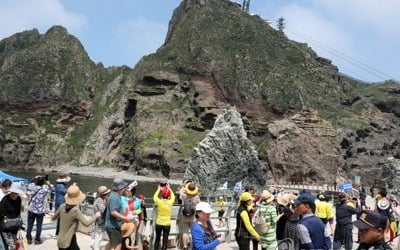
370,219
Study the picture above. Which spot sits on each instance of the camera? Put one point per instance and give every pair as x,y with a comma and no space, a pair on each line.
163,184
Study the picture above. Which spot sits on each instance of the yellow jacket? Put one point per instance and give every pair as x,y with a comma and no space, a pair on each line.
247,223
164,208
324,210
221,205
320,209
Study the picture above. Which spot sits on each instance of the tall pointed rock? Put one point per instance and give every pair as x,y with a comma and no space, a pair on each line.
226,154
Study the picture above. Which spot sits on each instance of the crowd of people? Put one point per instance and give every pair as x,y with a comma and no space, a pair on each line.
269,219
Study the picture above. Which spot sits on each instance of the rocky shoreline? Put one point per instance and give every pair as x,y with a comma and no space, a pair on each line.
111,173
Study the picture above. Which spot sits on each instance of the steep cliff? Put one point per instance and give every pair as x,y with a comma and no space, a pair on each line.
307,121
52,97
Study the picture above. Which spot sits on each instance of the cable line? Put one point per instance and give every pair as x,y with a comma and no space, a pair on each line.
350,60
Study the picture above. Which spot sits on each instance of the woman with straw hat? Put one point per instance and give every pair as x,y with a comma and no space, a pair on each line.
99,229
267,212
70,215
190,198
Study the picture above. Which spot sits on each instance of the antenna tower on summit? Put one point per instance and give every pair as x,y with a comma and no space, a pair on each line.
246,6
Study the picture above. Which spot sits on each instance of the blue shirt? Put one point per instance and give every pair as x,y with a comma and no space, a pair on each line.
113,204
199,238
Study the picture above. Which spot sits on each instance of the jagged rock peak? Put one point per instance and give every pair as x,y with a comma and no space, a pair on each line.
226,154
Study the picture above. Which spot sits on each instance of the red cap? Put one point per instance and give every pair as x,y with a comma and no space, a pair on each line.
141,197
165,192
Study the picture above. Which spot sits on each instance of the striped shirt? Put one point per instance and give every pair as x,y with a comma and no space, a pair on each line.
268,239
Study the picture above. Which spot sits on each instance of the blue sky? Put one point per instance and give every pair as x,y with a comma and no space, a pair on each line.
362,37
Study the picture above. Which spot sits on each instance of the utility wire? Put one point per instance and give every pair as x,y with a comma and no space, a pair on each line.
349,57
352,61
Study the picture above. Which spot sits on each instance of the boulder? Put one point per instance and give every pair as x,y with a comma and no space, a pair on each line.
225,154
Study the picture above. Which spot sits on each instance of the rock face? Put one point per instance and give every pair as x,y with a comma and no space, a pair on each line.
225,154
52,98
304,149
391,175
2,141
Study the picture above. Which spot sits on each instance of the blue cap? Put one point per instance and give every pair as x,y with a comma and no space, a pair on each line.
304,197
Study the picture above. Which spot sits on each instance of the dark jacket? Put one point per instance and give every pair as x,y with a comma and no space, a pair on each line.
344,213
10,208
381,244
241,230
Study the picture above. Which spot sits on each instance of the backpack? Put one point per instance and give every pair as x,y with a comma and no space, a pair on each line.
188,208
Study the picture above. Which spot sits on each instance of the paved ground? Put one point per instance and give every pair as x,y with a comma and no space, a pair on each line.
84,240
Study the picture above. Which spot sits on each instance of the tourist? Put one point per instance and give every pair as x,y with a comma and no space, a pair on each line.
244,229
38,193
344,228
203,233
267,212
10,208
164,210
311,229
5,185
372,227
383,206
362,206
288,219
60,192
324,210
221,204
143,207
132,204
128,236
115,214
70,216
321,208
190,198
396,213
252,210
99,205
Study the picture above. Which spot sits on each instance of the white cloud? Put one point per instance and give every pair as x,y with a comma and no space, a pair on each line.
379,15
20,15
306,26
364,30
139,37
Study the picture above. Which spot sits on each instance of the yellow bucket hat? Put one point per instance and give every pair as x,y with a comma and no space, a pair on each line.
191,188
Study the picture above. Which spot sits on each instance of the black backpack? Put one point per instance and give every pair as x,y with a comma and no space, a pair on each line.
188,208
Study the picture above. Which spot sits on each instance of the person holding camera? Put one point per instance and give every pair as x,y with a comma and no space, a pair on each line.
203,234
38,193
164,209
189,194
